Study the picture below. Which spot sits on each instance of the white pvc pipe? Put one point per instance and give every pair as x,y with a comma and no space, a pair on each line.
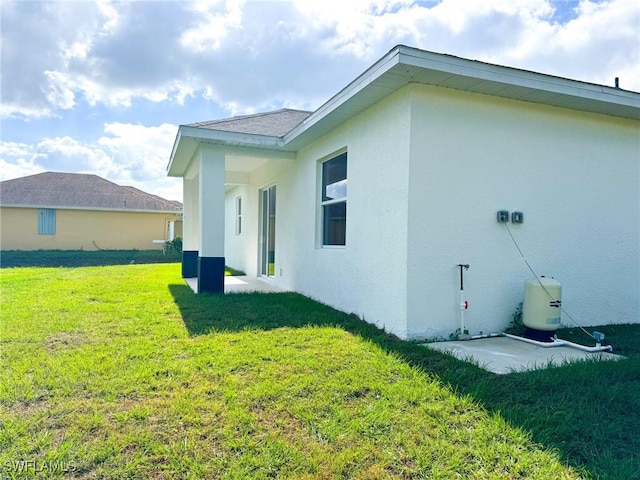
597,348
462,308
463,335
556,342
487,335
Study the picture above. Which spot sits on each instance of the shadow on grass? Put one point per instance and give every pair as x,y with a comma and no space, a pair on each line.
587,412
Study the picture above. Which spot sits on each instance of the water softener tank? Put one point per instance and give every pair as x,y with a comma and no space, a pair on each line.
541,307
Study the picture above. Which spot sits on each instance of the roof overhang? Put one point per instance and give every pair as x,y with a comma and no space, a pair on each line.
189,139
405,65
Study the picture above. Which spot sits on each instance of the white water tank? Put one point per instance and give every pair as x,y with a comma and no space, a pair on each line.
541,306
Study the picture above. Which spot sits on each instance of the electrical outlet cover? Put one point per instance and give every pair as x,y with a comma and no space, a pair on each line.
517,217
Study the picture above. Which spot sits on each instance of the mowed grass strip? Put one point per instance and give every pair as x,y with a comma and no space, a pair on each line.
85,258
121,372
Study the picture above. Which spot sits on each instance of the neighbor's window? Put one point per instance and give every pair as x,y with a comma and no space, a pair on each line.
238,215
334,200
46,221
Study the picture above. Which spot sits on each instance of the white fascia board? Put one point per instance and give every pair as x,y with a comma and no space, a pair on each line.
174,149
516,77
221,137
567,92
372,73
518,84
190,138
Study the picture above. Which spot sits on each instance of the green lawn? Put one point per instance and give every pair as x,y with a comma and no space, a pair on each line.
84,258
122,372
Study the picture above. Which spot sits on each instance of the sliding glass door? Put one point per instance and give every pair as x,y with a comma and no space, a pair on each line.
268,231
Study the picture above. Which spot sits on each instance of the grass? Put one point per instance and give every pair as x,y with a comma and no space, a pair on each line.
84,258
228,271
122,372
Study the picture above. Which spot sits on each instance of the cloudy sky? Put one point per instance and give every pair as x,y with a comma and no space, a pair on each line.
101,87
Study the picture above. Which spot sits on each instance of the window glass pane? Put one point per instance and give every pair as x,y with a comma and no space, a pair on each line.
272,232
265,231
335,223
238,215
334,178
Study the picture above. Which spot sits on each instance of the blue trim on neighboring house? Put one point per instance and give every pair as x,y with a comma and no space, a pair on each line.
189,263
210,274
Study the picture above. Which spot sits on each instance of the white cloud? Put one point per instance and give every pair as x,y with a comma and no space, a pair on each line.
126,154
59,94
142,152
132,63
37,39
216,24
600,43
22,161
66,152
251,55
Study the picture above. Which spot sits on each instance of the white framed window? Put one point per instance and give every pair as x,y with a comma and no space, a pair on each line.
334,201
46,221
238,215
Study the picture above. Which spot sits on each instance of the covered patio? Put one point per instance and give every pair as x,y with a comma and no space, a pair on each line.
239,284
213,158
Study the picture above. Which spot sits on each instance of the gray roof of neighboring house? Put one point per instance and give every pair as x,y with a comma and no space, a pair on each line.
277,123
80,191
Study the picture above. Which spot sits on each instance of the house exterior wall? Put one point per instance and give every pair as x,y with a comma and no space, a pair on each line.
241,250
428,168
368,276
574,175
78,229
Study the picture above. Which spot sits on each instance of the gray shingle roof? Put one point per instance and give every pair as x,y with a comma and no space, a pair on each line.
76,190
276,124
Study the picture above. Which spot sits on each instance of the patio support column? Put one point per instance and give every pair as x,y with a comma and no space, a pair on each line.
211,219
190,235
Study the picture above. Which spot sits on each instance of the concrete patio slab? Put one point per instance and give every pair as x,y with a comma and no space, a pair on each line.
506,355
242,283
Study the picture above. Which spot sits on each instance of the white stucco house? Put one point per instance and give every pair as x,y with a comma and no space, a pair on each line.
370,202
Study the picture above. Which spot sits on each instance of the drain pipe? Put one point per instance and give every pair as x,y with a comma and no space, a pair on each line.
464,305
556,342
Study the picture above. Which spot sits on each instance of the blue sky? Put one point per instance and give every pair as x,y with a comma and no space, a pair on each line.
101,87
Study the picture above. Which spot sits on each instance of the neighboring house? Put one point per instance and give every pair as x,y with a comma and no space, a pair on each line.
71,211
370,203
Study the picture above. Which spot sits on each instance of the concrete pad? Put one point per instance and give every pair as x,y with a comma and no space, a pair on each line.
242,283
249,284
506,355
